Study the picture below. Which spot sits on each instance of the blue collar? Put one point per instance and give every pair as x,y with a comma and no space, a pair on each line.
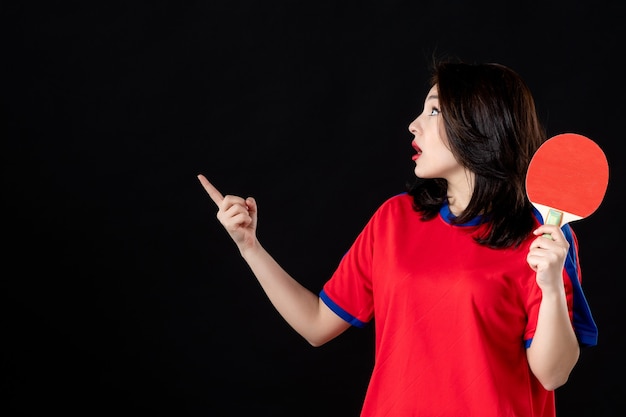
447,216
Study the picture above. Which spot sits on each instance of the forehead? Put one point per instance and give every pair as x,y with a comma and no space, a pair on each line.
433,90
432,93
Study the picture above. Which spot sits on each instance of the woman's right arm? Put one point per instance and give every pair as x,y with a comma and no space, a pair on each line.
301,308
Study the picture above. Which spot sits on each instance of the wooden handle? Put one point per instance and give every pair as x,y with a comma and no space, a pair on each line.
554,217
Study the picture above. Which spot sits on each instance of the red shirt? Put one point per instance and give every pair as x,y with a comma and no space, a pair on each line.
452,318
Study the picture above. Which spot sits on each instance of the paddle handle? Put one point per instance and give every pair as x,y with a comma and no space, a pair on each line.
554,217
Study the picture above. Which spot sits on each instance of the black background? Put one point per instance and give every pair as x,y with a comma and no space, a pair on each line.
123,292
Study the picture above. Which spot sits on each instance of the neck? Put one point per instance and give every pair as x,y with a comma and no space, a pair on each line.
460,192
457,206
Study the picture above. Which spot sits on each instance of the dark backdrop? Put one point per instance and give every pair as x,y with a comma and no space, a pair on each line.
123,292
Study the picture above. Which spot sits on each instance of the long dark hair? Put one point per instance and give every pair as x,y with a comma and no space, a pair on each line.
493,129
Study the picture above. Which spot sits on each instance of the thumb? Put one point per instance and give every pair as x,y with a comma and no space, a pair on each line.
252,206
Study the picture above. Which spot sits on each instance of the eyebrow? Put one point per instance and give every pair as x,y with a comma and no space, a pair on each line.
432,96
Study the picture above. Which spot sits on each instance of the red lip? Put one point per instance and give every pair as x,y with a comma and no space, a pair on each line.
417,149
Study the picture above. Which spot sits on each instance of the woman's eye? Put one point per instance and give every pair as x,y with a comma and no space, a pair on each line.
434,111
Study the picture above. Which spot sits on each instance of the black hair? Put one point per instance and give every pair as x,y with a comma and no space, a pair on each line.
493,130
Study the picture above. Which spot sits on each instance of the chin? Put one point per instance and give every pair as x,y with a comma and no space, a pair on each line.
420,173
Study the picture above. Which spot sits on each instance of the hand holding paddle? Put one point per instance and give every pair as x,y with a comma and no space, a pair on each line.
567,178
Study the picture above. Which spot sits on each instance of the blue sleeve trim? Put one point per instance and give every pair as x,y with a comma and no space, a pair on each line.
584,324
340,311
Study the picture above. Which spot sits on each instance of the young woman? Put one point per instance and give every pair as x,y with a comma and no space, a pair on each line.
477,313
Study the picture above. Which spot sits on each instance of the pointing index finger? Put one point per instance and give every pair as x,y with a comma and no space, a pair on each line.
213,192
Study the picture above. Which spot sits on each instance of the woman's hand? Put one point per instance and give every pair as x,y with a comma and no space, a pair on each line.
237,215
546,256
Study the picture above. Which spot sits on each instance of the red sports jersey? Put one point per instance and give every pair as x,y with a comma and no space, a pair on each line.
452,318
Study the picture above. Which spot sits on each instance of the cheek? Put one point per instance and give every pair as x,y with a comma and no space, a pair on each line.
443,141
445,157
441,130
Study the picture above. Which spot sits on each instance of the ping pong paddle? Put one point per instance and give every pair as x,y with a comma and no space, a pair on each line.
567,178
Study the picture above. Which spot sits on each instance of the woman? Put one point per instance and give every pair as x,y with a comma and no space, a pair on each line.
477,313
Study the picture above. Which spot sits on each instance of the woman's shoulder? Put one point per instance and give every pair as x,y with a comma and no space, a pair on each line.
398,202
399,199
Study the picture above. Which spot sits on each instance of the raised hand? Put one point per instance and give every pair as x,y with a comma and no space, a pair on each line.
236,214
546,256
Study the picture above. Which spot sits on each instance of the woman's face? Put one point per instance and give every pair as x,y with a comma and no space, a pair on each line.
433,158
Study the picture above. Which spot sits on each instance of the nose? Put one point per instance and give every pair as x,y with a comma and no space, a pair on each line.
414,127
